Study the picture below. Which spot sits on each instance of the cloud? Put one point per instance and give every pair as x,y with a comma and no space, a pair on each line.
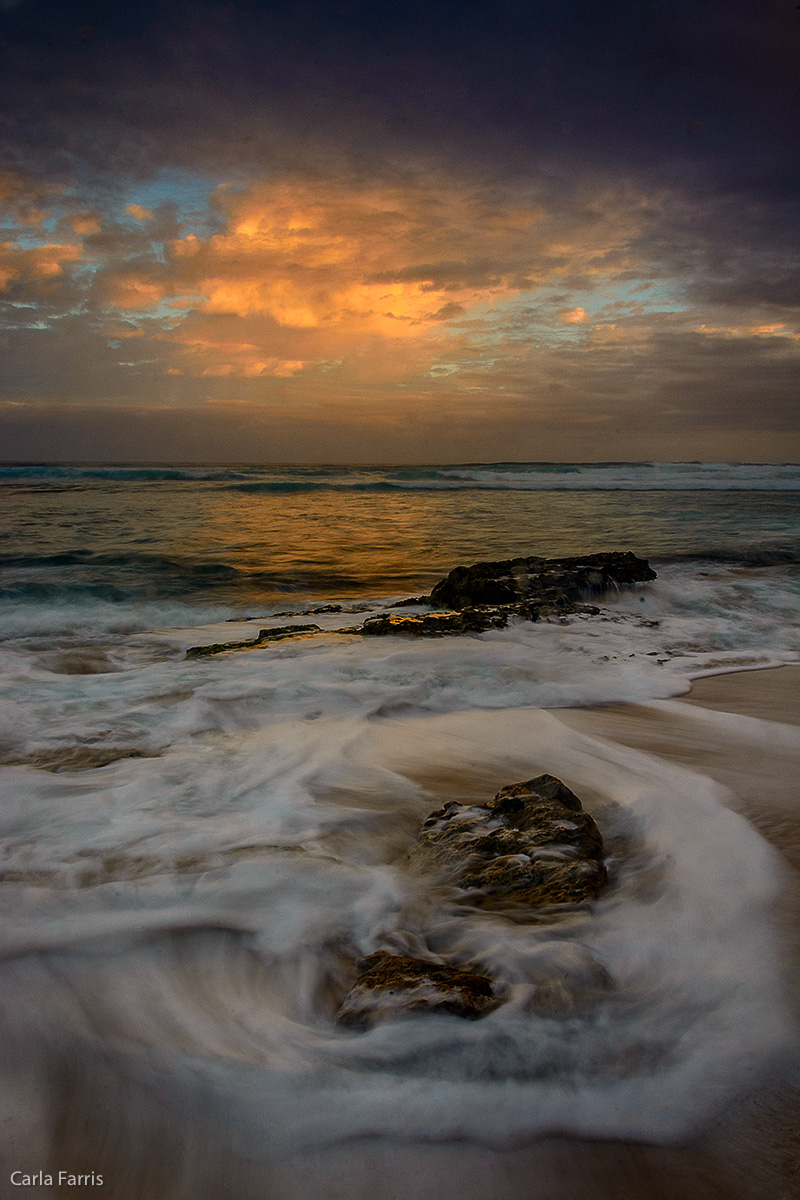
214,87
747,288
329,299
314,270
37,274
23,199
447,312
344,212
572,316
138,212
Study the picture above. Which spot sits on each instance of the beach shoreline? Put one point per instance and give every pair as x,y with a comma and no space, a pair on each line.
747,1151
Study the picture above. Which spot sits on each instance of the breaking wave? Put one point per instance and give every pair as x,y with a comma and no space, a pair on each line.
644,476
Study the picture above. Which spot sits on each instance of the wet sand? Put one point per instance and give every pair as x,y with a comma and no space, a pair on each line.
772,694
753,1151
739,729
742,730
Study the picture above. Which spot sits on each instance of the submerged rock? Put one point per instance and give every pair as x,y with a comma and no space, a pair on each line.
531,845
553,582
562,978
74,758
470,620
528,849
277,633
392,986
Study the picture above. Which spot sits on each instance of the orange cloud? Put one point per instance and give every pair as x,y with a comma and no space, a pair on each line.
36,264
135,291
381,279
210,353
775,330
85,223
572,316
22,198
306,254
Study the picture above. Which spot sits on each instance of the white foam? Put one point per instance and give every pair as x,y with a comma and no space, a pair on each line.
318,814
207,903
652,476
96,617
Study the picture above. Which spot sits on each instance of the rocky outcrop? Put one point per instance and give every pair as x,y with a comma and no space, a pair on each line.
438,624
469,620
480,597
484,595
554,583
392,986
278,633
528,849
531,845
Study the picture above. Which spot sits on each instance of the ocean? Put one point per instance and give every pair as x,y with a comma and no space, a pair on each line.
196,852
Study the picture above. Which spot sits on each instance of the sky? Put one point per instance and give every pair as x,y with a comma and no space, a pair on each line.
352,231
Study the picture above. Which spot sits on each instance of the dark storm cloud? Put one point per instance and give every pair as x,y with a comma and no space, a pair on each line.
700,97
134,86
753,287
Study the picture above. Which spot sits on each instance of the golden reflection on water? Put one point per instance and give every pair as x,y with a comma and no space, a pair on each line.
411,540
336,542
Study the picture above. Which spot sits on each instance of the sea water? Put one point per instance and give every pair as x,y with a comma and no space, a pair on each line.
196,852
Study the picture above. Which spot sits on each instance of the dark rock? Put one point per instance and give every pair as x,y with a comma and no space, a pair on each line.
392,986
484,595
532,845
411,600
539,882
556,582
264,635
283,631
470,620
528,849
308,612
480,597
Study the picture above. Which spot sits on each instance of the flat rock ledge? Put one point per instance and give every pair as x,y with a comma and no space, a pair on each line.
529,849
437,624
392,986
275,634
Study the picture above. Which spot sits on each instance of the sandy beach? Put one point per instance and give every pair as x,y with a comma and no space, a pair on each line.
742,730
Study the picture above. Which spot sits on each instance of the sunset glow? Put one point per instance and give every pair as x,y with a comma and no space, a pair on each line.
521,296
